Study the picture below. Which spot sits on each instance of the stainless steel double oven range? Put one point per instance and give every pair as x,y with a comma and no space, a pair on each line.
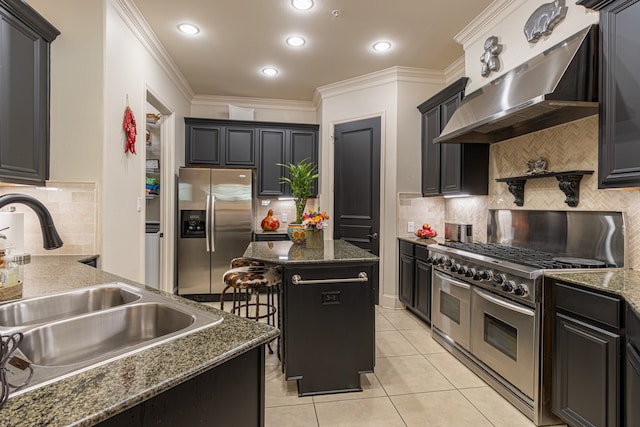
488,298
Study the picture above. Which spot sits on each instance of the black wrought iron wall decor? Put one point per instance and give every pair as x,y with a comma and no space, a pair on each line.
544,19
489,59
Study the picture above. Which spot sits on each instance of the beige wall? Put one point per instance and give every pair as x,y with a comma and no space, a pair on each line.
505,19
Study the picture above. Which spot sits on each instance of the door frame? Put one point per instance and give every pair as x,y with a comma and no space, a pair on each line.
167,191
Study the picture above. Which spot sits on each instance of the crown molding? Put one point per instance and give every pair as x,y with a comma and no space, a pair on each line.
455,70
493,13
379,78
272,104
141,29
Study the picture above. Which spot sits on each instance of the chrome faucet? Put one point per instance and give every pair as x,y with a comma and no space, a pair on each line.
50,237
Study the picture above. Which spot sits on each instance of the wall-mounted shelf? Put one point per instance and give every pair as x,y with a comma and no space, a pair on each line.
569,183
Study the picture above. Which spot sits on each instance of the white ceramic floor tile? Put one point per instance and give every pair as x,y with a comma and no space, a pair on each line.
375,412
423,342
493,406
382,324
291,416
371,387
409,374
392,343
279,392
453,370
402,319
438,409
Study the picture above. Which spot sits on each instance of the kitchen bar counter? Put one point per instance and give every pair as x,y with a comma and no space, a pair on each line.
625,283
327,313
93,396
419,241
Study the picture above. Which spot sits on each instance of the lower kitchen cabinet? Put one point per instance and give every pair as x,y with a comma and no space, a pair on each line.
414,279
632,369
231,394
587,356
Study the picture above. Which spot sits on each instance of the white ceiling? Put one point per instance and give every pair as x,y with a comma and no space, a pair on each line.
240,37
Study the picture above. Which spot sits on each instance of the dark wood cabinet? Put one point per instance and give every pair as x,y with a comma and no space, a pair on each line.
619,94
632,369
587,356
414,279
219,143
25,39
249,144
282,146
450,169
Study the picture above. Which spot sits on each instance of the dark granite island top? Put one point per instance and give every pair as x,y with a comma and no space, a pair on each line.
286,253
99,393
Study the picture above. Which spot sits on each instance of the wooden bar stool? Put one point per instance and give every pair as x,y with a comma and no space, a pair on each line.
249,278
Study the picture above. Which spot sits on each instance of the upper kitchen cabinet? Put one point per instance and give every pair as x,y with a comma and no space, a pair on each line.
25,39
282,145
619,134
219,143
447,168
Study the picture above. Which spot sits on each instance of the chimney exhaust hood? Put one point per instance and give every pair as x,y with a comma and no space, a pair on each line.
554,87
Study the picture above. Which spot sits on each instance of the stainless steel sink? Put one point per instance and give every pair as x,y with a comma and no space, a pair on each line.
61,305
85,338
56,349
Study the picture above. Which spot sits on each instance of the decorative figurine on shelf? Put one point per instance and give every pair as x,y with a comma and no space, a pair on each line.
537,166
543,19
269,222
489,59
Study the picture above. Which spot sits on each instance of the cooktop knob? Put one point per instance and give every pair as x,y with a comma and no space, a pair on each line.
448,262
509,286
456,268
463,270
500,278
470,272
477,275
486,275
521,290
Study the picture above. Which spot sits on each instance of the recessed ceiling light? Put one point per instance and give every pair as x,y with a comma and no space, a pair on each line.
188,28
269,71
302,4
381,46
295,41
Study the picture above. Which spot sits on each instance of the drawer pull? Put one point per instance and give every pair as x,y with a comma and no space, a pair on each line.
297,280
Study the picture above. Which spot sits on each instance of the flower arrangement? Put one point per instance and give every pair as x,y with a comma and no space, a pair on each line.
315,220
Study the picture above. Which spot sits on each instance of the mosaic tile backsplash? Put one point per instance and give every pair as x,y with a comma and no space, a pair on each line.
573,146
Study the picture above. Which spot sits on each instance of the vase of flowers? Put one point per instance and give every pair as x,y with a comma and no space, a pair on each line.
300,179
315,222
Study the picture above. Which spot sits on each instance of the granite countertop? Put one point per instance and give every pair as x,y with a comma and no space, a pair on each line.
625,283
418,241
285,252
93,396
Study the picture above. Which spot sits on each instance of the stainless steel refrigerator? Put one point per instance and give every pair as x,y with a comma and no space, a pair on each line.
215,214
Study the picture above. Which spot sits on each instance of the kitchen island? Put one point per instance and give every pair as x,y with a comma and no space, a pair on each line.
160,380
327,313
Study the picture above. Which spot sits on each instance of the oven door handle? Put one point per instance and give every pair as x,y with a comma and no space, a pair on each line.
452,281
504,303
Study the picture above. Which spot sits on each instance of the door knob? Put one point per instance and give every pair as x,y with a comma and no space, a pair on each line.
374,236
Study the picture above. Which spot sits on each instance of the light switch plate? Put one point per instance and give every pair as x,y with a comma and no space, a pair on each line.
284,217
410,227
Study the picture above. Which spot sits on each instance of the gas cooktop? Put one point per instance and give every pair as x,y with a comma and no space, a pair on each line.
528,257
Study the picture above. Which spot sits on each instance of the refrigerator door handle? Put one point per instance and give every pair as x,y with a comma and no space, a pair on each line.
207,222
213,223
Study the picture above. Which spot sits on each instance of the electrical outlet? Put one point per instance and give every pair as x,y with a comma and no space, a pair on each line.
410,227
284,217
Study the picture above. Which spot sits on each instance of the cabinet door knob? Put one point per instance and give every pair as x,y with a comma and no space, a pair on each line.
374,236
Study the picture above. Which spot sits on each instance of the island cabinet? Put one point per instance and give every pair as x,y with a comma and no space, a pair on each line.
25,39
327,313
209,399
447,168
414,279
587,356
619,141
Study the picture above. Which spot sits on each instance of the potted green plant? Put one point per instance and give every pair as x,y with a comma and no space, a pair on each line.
300,180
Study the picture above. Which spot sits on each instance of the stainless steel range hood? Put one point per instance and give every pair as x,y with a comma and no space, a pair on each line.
557,86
